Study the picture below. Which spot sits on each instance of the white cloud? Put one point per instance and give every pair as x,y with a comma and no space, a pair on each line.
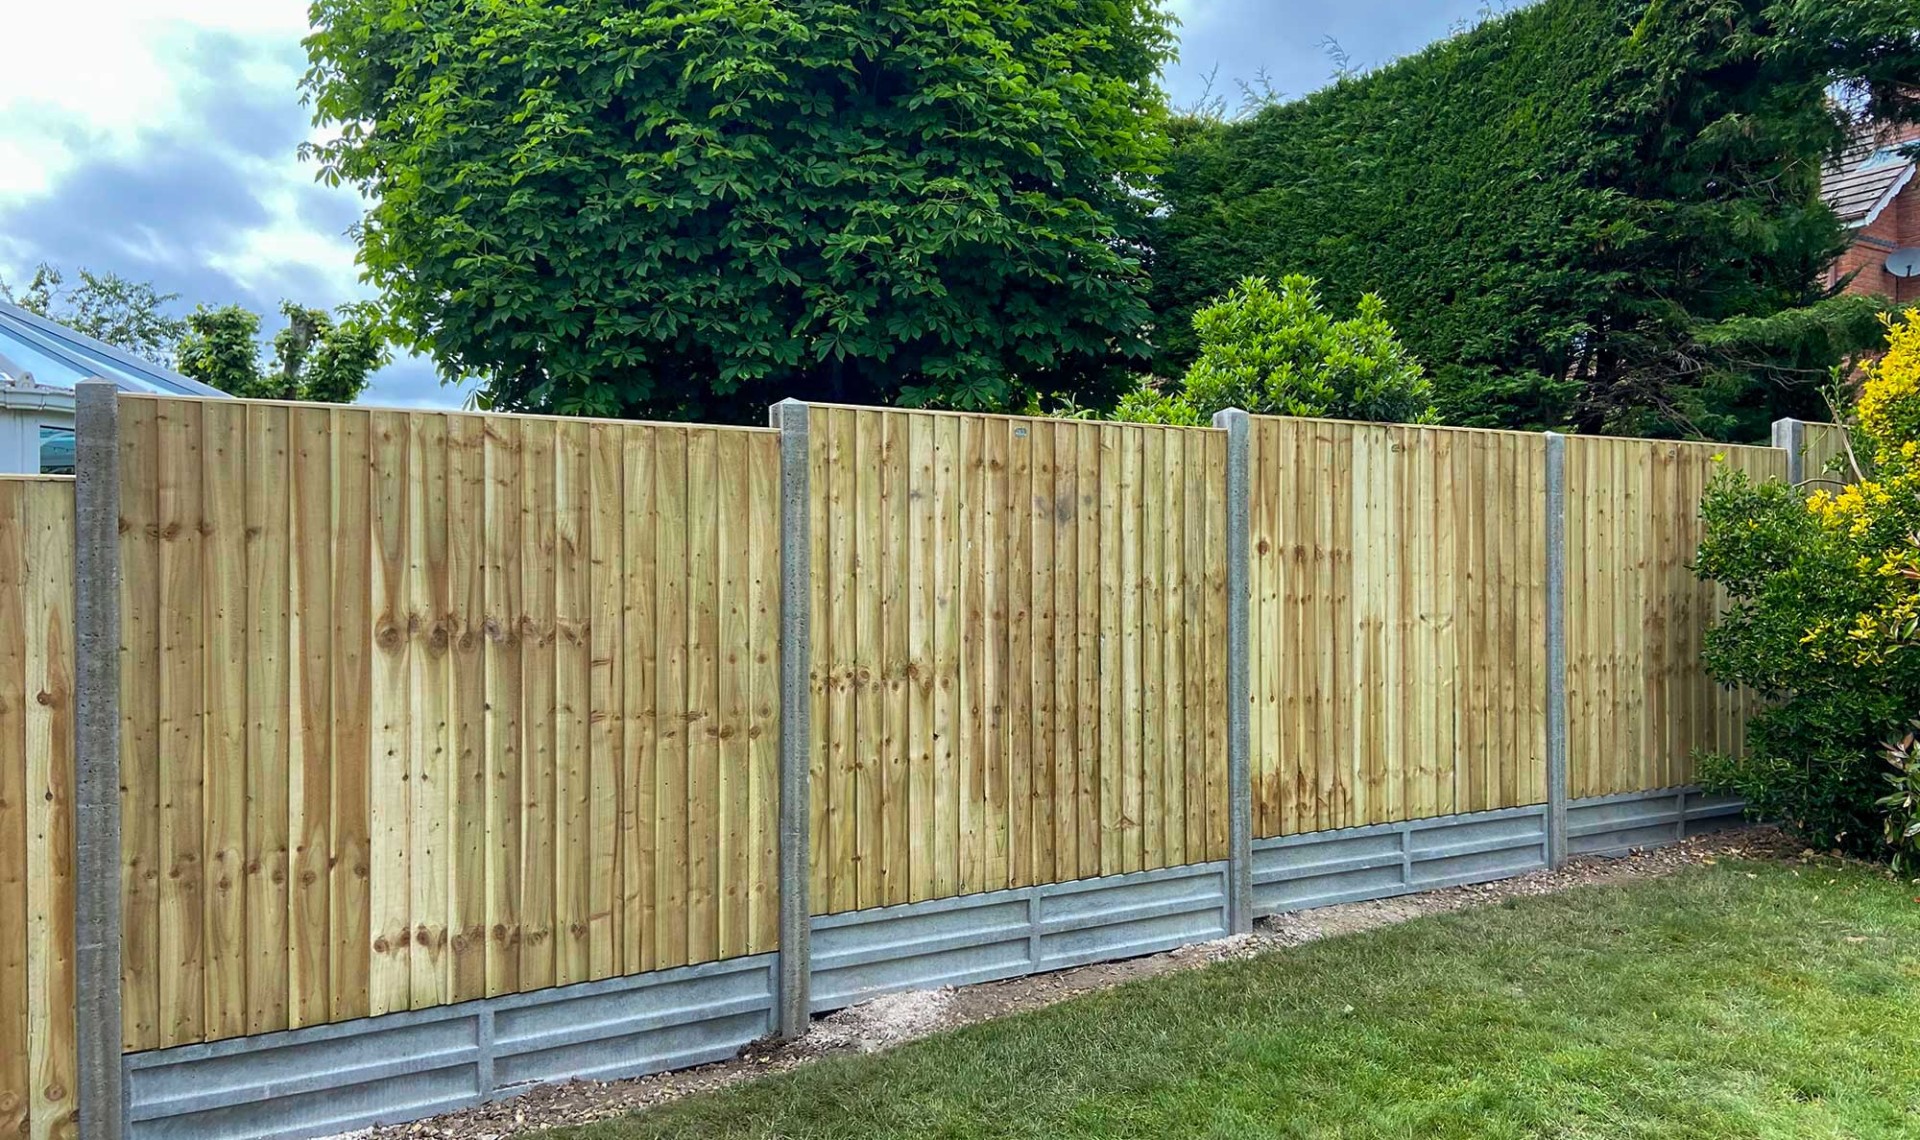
87,76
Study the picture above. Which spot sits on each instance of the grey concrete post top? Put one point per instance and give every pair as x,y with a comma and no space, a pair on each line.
778,414
1227,419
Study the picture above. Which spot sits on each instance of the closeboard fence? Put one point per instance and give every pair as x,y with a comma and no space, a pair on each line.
517,748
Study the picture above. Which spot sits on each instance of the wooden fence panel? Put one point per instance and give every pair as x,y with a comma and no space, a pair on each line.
1823,457
1398,621
37,1059
421,707
1014,629
1639,703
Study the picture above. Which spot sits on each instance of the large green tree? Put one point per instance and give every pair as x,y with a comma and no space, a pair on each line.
693,207
1561,205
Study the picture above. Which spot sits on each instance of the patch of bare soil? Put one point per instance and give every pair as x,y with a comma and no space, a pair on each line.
896,1018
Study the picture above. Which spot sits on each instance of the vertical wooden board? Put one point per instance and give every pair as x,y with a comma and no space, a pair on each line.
1635,470
48,517
140,620
1070,718
1575,616
506,629
540,809
1195,648
390,803
1261,545
572,700
1090,545
763,731
1171,634
865,684
970,775
732,553
224,478
1129,696
350,867
1269,633
1694,613
310,759
842,789
1297,762
1215,481
639,808
895,660
1435,676
1336,484
606,724
703,805
1503,510
1107,562
1536,499
16,944
466,491
1665,558
946,655
821,668
268,694
920,650
1027,653
1446,625
1369,567
1481,644
1006,822
1152,701
182,1002
428,754
1416,518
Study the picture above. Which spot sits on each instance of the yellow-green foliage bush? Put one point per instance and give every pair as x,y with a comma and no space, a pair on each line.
1824,616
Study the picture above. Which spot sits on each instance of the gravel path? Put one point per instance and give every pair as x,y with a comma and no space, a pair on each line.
898,1018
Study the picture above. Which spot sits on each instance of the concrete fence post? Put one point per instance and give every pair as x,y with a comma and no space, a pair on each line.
1791,436
1556,679
1238,427
96,736
793,1002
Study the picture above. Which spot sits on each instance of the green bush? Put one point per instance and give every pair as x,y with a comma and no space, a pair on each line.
1278,352
1822,618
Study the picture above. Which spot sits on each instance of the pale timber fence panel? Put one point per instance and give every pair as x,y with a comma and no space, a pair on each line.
37,1059
1640,703
423,707
1824,464
1398,623
1018,652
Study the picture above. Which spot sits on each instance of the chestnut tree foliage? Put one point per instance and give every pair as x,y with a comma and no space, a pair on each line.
691,208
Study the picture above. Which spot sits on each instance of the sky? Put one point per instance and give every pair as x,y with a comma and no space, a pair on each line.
159,138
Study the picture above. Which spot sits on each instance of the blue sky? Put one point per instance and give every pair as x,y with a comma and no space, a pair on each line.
158,138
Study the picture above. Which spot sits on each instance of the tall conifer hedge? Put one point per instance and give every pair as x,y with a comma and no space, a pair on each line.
1556,203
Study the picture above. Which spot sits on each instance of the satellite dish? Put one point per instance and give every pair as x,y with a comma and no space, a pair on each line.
1904,263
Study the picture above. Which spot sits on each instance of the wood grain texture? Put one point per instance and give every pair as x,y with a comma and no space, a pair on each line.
422,707
1397,598
1004,609
1640,706
37,888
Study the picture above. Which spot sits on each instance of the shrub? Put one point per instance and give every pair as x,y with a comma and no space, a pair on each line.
1279,352
1824,607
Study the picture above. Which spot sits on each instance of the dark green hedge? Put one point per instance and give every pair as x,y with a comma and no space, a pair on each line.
1554,203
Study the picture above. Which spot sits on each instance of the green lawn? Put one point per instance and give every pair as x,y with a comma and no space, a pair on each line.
1729,1001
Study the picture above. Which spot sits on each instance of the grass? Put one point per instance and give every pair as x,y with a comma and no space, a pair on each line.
1749,1000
